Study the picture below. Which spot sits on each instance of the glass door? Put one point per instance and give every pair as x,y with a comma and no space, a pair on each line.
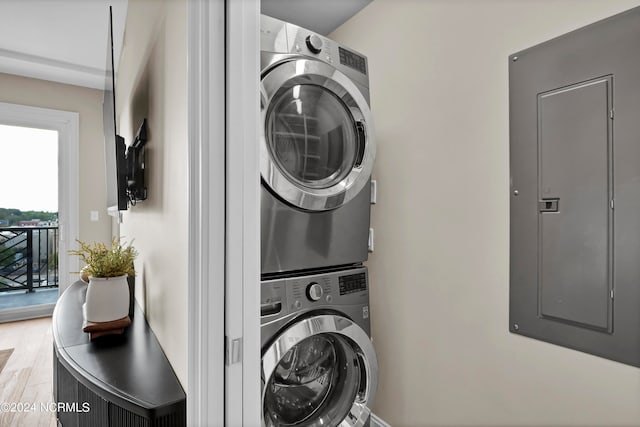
317,144
29,249
311,136
319,372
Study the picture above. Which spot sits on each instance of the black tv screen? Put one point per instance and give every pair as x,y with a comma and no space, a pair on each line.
114,145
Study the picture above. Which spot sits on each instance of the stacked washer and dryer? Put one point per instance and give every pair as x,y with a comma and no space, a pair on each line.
317,150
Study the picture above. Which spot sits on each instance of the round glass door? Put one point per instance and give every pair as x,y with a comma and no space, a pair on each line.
314,384
317,147
324,379
311,135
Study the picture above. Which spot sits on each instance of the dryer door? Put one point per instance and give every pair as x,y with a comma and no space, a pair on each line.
317,146
321,371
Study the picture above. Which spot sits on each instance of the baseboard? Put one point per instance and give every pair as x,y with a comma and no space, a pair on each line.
28,312
378,422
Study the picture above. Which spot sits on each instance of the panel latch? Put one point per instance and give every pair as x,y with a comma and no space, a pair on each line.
233,353
548,205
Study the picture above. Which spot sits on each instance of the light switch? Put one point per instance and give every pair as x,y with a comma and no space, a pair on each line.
95,216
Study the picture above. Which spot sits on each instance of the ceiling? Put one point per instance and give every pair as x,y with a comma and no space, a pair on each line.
321,16
66,40
59,40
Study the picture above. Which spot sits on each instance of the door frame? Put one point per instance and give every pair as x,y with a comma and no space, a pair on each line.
242,299
67,124
224,188
206,91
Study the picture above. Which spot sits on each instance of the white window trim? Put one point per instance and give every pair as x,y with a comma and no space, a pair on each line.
67,125
224,233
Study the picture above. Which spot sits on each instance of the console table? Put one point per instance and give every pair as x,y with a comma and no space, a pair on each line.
123,380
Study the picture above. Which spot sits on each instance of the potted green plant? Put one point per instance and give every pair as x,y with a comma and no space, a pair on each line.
107,269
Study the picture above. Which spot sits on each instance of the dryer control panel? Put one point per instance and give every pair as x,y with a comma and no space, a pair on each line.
282,37
303,41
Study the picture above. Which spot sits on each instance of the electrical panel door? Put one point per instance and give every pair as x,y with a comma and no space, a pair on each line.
574,125
574,147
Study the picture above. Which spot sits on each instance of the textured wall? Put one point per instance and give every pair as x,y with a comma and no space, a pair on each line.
152,83
440,273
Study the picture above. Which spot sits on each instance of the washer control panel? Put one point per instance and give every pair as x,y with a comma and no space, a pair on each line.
352,283
272,299
344,292
314,291
346,287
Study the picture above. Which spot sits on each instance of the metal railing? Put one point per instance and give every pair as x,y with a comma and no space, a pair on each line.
28,258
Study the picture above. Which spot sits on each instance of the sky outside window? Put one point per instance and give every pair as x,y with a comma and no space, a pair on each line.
28,169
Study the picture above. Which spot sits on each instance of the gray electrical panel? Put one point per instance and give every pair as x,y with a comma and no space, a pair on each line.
575,189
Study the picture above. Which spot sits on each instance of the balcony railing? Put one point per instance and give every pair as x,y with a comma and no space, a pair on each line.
28,258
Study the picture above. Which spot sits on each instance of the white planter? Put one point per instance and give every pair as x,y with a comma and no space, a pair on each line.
107,299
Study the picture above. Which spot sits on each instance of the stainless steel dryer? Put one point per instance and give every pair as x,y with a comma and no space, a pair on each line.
317,150
319,367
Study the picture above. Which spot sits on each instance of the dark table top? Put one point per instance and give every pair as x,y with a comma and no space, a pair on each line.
129,369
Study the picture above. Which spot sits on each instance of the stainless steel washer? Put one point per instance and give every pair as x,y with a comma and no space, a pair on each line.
317,150
319,367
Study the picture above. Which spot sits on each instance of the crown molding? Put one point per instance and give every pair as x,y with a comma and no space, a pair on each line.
39,67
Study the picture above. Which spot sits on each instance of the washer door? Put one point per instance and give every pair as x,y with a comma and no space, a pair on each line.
317,145
321,371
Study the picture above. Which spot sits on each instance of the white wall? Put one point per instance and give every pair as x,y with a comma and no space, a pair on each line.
152,83
88,104
440,273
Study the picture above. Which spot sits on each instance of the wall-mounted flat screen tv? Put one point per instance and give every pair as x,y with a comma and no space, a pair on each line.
114,145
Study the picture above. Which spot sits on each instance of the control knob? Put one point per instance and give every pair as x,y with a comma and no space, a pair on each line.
314,43
314,291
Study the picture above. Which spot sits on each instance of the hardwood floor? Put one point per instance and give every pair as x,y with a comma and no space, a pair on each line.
27,377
